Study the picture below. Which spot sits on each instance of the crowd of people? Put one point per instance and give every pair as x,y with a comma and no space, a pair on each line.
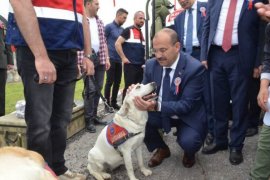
210,66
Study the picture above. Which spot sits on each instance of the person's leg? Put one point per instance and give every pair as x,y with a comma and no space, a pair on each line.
153,138
88,98
64,88
130,76
238,90
221,105
208,99
260,170
110,80
189,139
139,73
116,84
254,111
3,77
99,79
38,109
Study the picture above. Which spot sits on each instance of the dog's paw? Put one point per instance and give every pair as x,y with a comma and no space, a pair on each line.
146,172
106,175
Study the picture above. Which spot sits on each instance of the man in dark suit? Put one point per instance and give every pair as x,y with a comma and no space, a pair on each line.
6,62
229,47
179,102
193,33
181,25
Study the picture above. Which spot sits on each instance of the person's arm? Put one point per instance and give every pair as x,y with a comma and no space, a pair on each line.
10,62
147,103
28,25
205,36
118,46
191,95
87,64
107,63
263,94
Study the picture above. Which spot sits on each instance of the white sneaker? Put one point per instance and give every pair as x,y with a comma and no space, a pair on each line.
69,175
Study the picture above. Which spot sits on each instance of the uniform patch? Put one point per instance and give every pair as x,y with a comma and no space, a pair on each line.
116,135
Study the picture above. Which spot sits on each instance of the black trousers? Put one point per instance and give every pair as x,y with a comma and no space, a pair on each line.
48,108
114,75
229,83
91,95
3,79
133,74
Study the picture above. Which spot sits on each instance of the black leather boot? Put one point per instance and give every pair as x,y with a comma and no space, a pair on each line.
90,126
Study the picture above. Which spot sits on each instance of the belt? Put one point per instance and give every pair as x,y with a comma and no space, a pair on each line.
220,47
193,48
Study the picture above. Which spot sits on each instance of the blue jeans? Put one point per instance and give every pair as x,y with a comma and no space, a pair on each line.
91,95
48,106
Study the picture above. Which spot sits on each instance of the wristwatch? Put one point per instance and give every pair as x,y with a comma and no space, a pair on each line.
88,56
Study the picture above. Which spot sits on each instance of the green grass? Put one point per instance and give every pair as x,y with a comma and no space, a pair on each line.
14,93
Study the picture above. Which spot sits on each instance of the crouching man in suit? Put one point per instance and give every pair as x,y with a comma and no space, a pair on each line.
180,80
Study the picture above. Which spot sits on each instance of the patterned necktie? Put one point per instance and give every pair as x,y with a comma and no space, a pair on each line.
166,84
189,33
227,37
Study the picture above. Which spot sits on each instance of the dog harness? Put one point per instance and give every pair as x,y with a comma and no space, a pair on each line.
117,135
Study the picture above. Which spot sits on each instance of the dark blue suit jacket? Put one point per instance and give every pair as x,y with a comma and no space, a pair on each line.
248,34
179,23
187,104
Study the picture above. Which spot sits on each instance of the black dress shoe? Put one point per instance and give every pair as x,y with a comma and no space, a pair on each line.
209,139
213,148
236,157
251,132
91,127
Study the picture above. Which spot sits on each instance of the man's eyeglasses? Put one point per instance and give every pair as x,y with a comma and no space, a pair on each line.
161,50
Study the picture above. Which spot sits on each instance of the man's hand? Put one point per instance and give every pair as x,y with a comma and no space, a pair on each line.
107,64
262,97
125,61
263,10
46,70
88,66
257,72
144,105
205,64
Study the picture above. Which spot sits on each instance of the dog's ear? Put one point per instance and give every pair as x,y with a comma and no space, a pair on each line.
124,108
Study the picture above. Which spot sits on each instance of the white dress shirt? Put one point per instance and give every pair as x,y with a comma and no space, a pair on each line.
195,41
94,33
222,20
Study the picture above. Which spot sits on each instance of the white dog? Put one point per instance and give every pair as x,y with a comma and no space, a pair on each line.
123,135
20,164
